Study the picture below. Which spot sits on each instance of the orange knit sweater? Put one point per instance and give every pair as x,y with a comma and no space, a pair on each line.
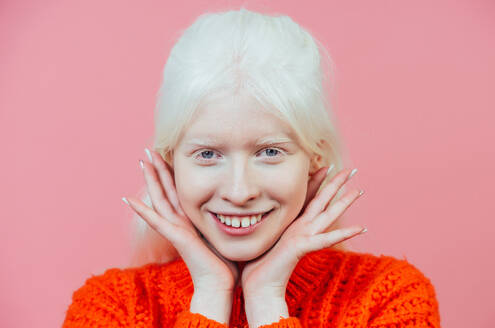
328,288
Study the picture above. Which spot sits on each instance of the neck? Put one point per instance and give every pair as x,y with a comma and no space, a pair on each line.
241,265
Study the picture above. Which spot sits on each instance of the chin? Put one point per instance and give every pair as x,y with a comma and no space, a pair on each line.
238,258
241,256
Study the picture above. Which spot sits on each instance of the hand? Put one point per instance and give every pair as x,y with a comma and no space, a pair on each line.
265,279
211,272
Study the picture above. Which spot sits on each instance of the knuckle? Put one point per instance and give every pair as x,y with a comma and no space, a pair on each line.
341,203
337,183
160,165
330,191
349,198
152,224
342,176
349,232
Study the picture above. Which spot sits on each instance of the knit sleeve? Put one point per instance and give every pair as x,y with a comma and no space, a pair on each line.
186,319
290,322
404,298
95,304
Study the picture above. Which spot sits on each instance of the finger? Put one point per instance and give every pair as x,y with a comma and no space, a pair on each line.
314,184
321,222
333,212
320,202
155,221
328,239
186,245
230,264
159,201
164,173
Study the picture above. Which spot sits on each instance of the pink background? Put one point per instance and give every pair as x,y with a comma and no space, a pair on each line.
414,99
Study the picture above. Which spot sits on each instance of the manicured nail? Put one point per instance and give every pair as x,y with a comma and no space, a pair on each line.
330,168
352,173
125,200
146,150
364,230
141,163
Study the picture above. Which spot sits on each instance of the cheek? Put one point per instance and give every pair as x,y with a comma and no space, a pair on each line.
289,186
193,188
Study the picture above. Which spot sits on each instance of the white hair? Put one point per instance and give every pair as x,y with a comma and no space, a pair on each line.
268,57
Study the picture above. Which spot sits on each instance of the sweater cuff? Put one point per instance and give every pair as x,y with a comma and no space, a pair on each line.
290,322
187,319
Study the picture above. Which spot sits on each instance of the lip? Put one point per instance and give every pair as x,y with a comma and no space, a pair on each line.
239,231
241,214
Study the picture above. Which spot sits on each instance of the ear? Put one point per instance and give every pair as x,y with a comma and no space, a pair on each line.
171,158
168,158
317,161
315,164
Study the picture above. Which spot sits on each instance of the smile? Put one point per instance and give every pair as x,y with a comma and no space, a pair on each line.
239,225
240,221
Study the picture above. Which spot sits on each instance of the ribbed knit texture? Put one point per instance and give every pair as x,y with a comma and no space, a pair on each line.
328,288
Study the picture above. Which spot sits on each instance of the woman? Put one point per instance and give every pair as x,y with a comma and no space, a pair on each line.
239,217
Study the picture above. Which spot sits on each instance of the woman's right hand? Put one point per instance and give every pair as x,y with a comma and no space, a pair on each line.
212,274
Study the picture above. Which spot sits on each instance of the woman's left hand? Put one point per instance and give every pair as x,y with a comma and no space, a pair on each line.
265,279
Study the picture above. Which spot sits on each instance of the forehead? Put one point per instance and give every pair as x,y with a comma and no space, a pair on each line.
237,120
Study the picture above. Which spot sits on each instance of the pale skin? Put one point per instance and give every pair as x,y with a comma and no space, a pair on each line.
238,178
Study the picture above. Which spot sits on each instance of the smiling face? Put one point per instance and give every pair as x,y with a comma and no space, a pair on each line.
236,158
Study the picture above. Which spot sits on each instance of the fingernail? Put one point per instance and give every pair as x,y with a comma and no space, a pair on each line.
364,230
146,150
141,163
125,200
352,173
330,168
361,192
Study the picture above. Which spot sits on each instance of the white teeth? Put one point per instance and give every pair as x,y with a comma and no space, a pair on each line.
253,219
245,222
237,222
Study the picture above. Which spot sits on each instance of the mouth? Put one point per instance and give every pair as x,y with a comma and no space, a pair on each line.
238,224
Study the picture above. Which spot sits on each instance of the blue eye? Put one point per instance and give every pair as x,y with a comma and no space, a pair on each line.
205,156
273,152
206,151
208,156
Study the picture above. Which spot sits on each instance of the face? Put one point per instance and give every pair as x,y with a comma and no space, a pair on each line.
236,158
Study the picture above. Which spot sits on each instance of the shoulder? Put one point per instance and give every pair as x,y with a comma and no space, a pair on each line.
383,288
367,264
123,286
359,274
388,270
128,296
371,270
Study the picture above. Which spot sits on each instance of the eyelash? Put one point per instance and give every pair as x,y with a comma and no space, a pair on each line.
204,160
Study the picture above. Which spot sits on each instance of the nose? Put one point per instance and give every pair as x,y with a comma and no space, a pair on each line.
238,185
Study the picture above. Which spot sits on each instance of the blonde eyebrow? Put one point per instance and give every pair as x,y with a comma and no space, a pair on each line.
272,141
209,141
205,141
